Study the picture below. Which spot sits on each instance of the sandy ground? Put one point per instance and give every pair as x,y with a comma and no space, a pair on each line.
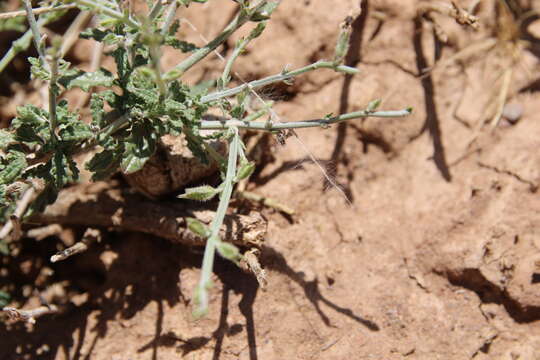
433,252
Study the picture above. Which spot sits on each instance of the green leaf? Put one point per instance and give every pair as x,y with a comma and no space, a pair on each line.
6,139
104,164
197,227
38,69
12,167
229,251
75,131
373,105
107,37
123,68
200,193
87,80
181,45
14,24
57,172
139,147
4,296
245,170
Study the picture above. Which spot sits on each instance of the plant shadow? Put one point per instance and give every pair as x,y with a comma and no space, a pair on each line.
122,276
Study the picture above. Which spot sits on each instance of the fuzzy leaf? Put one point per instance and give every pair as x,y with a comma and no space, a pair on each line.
181,45
6,139
198,227
12,166
229,251
245,170
139,147
87,80
104,164
75,131
38,70
373,105
14,24
105,36
200,193
57,172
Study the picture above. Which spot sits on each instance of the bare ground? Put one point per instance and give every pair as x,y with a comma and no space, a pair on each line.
434,255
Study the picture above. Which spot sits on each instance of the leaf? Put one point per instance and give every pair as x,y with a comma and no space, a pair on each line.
105,36
57,172
4,296
373,105
38,69
104,164
14,24
200,193
197,227
245,170
139,147
6,139
181,45
87,80
229,251
12,167
122,64
75,131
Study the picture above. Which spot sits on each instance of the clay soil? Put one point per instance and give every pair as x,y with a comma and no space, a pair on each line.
431,251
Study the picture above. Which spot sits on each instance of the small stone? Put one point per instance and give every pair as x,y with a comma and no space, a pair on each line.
512,112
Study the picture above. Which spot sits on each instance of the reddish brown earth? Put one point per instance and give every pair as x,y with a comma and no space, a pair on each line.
435,255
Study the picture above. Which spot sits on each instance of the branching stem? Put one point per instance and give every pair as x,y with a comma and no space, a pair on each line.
284,76
198,55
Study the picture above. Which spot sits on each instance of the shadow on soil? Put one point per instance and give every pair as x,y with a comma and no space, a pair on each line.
140,270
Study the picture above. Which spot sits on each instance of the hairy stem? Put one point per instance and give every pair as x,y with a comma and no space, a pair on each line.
96,6
35,31
324,122
284,76
213,240
200,54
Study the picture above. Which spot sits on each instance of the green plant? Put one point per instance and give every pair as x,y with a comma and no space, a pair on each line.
147,102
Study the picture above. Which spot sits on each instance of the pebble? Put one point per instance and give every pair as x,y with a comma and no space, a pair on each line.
512,112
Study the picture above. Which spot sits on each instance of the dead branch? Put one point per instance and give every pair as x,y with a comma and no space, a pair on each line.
29,316
90,236
100,205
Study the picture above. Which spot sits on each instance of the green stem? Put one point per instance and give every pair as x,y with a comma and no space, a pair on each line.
198,55
52,93
18,45
210,250
270,126
109,12
155,9
286,75
171,13
35,32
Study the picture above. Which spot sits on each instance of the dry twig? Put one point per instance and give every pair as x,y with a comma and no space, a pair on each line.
29,316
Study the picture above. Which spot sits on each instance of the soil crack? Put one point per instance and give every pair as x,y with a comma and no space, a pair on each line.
532,186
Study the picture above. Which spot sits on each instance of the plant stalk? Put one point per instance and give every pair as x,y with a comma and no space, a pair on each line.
324,122
284,76
198,55
213,240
